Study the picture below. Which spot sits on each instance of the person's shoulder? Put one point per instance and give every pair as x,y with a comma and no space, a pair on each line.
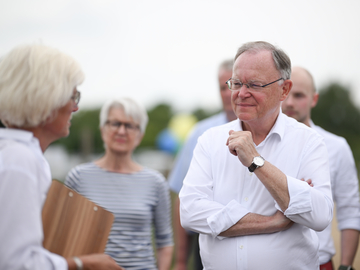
220,131
298,126
301,132
328,135
88,167
152,176
212,121
331,137
18,152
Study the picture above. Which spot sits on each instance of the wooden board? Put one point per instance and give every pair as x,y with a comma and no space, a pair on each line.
72,224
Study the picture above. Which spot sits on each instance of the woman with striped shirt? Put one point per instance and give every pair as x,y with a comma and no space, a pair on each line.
137,196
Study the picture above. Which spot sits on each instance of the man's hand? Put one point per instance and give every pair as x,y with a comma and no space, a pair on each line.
241,144
309,181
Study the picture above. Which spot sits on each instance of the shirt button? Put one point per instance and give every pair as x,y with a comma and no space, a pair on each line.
241,247
246,199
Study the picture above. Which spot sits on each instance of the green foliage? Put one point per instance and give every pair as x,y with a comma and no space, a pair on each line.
201,114
85,136
1,125
337,113
159,117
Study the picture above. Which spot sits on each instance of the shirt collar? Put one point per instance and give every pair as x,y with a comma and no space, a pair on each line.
19,135
312,125
278,127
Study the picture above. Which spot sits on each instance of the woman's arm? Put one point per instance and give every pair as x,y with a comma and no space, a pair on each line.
164,257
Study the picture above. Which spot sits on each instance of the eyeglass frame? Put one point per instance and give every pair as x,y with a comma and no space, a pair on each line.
76,97
248,84
115,125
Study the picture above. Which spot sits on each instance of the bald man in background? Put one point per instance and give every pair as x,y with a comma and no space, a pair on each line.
344,182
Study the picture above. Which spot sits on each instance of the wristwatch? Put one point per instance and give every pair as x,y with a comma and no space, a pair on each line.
256,163
345,267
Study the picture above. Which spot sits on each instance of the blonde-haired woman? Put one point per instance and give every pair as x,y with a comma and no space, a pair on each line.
138,196
38,94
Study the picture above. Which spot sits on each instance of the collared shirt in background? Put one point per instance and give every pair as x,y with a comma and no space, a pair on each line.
345,190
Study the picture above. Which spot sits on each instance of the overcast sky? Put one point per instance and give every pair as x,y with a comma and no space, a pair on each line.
169,51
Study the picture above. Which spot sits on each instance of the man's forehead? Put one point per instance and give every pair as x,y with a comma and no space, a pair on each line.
255,61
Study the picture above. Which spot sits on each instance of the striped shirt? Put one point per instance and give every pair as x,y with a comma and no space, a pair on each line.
140,201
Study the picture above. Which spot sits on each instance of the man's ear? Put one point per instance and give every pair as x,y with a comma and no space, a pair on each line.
315,100
286,87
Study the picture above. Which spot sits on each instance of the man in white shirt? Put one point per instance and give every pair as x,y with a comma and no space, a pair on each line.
243,192
344,182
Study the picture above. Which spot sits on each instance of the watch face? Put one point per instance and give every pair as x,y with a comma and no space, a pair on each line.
259,161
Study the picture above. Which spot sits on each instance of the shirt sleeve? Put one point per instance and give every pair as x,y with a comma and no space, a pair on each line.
72,179
346,190
311,206
198,211
21,231
162,220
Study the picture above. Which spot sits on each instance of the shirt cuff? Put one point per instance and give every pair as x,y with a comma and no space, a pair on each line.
350,223
300,197
226,217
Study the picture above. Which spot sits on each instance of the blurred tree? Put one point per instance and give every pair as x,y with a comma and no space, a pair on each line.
337,113
1,125
201,114
159,117
84,135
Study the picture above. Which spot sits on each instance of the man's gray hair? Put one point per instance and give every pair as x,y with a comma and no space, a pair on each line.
35,81
281,59
226,65
131,109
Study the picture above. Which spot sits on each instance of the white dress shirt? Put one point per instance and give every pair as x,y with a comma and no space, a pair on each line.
218,191
183,159
24,182
345,190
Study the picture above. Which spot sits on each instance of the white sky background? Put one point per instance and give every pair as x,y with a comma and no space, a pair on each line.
169,51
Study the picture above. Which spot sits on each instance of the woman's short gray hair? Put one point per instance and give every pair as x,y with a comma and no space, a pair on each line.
131,109
281,59
35,81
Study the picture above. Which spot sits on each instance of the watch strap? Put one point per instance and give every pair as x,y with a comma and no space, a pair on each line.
252,167
345,267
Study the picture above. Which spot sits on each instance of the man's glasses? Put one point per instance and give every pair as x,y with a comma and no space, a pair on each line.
76,97
115,125
235,85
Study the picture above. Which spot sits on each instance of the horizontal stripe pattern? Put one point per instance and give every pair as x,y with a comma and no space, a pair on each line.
140,203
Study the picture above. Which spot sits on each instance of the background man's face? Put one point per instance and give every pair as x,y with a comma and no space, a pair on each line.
301,98
225,93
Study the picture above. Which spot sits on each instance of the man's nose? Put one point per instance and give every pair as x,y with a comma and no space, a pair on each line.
244,91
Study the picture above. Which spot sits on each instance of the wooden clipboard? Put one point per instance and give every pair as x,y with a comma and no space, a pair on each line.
72,224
